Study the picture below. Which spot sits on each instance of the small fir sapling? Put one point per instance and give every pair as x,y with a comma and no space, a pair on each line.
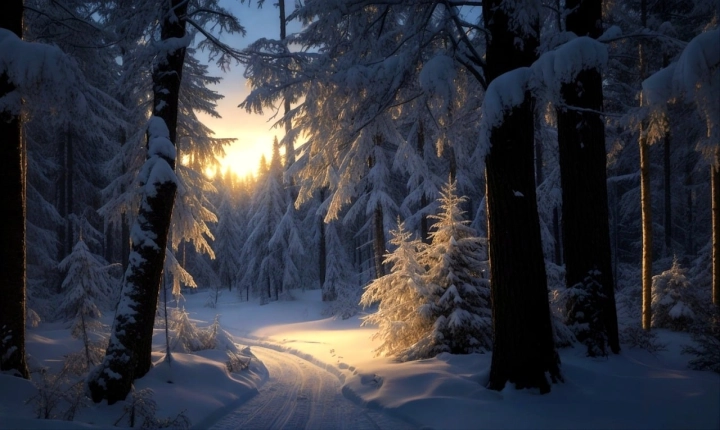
674,304
401,296
88,288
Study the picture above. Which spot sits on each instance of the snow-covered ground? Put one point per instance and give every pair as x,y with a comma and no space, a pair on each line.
320,372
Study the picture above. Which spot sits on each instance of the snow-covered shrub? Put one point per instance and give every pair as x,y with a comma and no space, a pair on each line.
237,362
706,348
141,408
674,304
636,337
186,336
59,395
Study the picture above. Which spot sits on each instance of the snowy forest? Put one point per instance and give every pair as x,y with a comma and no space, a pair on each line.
509,178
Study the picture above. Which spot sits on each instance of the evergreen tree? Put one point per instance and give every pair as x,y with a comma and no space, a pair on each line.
89,289
403,316
460,301
264,269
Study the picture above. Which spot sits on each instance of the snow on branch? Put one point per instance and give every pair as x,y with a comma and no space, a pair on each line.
504,93
161,156
41,72
563,64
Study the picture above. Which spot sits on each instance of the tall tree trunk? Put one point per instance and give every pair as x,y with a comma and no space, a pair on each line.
523,346
689,237
289,144
378,241
645,199
668,194
424,228
69,197
715,179
583,176
322,250
12,229
128,355
646,210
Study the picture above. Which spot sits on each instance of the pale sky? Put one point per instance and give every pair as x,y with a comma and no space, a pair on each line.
254,133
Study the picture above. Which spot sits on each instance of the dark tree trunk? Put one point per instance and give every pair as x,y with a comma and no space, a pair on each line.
715,180
557,236
668,195
128,356
322,250
523,346
69,197
12,229
583,176
62,202
424,228
378,241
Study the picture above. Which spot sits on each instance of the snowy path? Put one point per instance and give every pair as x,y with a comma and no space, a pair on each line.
301,395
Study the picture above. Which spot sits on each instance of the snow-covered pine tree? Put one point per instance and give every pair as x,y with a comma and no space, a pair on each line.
89,288
456,276
403,316
227,234
674,303
264,270
340,288
287,242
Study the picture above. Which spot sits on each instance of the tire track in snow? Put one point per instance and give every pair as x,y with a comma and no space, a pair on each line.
300,395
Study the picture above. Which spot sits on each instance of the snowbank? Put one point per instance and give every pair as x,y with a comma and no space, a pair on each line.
632,390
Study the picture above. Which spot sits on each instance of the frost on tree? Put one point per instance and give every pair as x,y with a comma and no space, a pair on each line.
403,316
88,287
457,281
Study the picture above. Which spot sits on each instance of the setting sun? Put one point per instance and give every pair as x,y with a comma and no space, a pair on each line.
254,134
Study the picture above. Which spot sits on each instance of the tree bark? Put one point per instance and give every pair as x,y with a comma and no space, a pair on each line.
12,229
322,250
378,241
715,179
128,356
523,346
646,222
583,176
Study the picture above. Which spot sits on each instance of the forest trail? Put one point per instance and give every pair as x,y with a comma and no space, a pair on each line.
300,395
